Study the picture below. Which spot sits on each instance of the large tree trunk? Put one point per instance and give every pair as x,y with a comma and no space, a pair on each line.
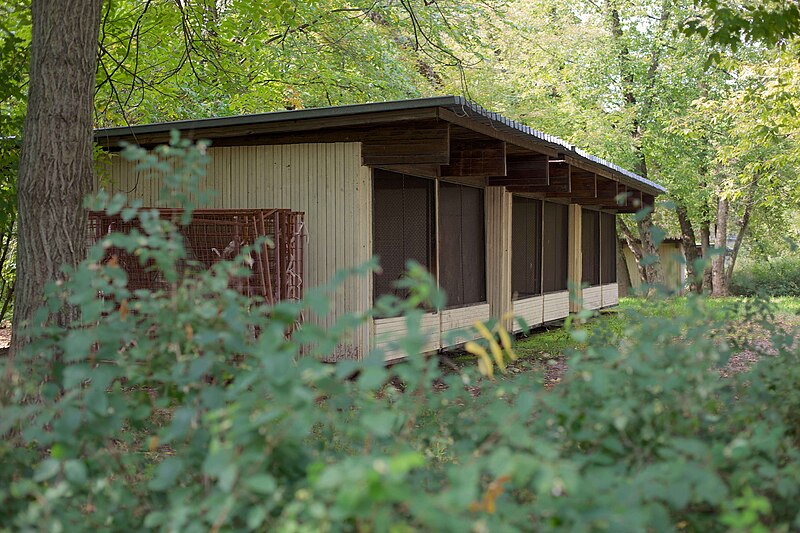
750,201
720,242
705,245
635,247
55,171
689,241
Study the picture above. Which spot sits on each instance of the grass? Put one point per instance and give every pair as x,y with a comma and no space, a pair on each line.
545,344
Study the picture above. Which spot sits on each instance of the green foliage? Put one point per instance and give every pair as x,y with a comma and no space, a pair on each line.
183,60
776,277
559,340
730,24
167,412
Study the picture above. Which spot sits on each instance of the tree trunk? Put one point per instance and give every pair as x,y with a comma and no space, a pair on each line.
720,242
635,246
623,278
705,245
689,241
750,201
55,171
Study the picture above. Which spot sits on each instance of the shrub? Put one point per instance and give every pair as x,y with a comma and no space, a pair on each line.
777,277
166,412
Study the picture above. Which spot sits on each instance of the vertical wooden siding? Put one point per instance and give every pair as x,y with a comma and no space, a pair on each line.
575,259
326,181
498,251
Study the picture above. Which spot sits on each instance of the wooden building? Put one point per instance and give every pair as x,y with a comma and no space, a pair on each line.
503,216
673,262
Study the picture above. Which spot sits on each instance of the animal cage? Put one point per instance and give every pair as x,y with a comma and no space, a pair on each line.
214,235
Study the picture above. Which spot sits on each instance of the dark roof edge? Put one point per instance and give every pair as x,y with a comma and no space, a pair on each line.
556,143
457,104
278,116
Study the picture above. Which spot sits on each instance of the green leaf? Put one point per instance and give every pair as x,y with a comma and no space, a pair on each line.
166,474
47,469
261,484
75,471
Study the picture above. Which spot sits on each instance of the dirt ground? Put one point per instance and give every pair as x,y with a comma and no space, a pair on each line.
5,336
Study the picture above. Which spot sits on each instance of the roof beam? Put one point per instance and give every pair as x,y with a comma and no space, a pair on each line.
476,158
423,145
241,128
560,182
486,129
530,169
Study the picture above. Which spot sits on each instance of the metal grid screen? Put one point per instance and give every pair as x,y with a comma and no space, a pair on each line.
462,242
403,226
608,248
526,247
555,246
215,235
590,246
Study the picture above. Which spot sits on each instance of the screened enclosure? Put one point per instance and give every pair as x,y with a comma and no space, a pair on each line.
555,222
462,244
608,248
590,247
403,226
526,247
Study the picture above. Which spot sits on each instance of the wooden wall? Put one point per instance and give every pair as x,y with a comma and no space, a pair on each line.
575,259
326,181
498,251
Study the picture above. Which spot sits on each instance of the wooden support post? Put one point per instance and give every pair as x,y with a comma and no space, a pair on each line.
574,256
498,253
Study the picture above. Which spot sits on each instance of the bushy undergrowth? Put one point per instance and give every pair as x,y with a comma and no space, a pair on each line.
166,412
777,277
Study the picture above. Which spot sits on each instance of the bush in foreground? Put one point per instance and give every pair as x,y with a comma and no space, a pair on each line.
166,412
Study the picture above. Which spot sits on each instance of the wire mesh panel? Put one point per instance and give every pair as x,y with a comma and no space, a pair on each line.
555,222
590,247
213,235
403,226
526,247
608,248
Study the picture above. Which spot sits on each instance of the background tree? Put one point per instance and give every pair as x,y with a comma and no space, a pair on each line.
625,81
56,168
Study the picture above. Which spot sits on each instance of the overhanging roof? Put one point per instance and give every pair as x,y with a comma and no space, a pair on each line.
457,105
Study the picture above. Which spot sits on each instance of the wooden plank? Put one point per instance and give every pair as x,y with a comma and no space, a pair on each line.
558,184
592,297
574,254
519,139
530,309
364,207
555,306
408,146
610,294
582,186
498,251
476,158
343,260
533,169
421,170
244,131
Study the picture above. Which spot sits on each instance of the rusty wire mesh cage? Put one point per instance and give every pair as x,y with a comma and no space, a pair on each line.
213,235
